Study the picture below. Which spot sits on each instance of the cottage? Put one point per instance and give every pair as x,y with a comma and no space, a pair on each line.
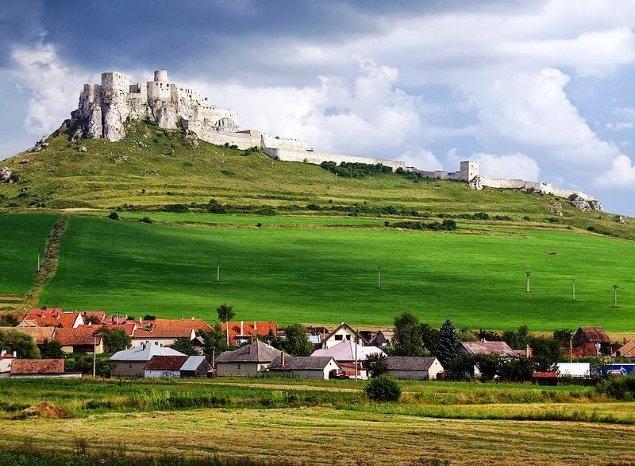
195,366
164,366
488,348
343,333
420,368
83,339
242,333
36,368
591,341
40,335
304,367
165,331
349,356
247,360
51,317
131,362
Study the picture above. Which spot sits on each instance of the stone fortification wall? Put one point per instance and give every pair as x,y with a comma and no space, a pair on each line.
536,186
319,157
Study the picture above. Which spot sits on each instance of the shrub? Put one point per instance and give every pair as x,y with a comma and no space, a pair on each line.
313,207
480,216
146,220
526,217
113,215
621,388
383,388
176,208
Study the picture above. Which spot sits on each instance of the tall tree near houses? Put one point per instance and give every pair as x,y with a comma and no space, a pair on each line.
407,338
448,345
225,314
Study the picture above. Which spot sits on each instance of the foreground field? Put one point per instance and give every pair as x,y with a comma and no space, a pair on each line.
310,272
280,420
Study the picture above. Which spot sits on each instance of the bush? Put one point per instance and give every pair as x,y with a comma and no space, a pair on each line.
176,208
620,388
383,388
113,215
146,220
480,216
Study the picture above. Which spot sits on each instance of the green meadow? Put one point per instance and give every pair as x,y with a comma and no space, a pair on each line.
327,274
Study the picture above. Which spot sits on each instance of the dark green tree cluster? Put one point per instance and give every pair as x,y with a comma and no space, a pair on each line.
115,339
355,169
21,343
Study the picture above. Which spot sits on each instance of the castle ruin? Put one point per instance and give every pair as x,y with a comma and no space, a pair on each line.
104,109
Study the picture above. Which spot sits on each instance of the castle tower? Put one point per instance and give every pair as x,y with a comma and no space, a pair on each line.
161,76
469,170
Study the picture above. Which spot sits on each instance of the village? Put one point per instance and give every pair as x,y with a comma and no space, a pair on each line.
51,342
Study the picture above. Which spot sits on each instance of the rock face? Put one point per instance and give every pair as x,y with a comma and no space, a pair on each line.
5,175
585,205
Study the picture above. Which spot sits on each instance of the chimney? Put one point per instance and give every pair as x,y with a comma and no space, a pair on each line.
2,353
15,354
192,317
255,327
281,358
528,351
241,327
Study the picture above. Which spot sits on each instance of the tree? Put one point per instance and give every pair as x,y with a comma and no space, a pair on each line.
225,314
407,339
83,362
51,349
488,365
115,339
448,346
563,336
517,339
185,346
546,352
113,215
8,320
461,367
21,343
383,388
516,370
376,364
215,342
430,337
296,342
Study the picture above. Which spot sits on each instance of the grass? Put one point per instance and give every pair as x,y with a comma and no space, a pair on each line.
312,273
21,237
275,420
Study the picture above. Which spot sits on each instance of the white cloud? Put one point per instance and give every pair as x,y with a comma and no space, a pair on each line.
53,85
620,175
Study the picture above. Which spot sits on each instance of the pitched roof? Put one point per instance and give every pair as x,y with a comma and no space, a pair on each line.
300,363
594,334
52,317
83,335
345,325
345,351
129,327
487,348
169,328
99,316
628,349
193,363
165,363
39,334
409,363
37,366
143,352
254,352
250,329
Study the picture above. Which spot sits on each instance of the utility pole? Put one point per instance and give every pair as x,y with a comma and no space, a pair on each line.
218,272
528,274
614,295
38,261
379,278
356,368
573,288
95,358
571,348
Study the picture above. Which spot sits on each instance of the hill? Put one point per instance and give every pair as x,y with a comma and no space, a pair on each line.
152,167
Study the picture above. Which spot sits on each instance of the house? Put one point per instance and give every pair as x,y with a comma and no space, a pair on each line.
51,317
39,334
488,348
382,338
247,360
165,331
627,350
343,333
317,334
195,366
304,367
131,362
83,339
575,370
36,368
94,317
420,368
591,341
5,362
164,366
349,356
241,333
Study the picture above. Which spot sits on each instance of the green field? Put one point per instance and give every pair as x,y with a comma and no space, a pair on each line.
285,420
314,273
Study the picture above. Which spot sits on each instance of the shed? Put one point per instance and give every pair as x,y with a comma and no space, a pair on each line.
305,367
246,360
407,367
195,366
164,366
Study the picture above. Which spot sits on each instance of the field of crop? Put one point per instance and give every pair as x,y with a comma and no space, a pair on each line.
281,420
314,273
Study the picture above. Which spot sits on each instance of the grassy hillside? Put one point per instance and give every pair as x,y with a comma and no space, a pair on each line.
153,167
315,273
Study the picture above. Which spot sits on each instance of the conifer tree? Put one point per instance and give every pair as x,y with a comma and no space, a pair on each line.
448,346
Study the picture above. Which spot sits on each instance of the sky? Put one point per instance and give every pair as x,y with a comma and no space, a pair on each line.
536,90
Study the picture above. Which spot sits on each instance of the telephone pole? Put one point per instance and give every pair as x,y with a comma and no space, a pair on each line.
573,288
95,358
614,295
38,261
528,274
218,272
379,278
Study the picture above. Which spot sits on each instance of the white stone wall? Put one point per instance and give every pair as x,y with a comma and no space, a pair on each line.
319,157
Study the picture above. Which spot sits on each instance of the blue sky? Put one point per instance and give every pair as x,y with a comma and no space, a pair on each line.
533,89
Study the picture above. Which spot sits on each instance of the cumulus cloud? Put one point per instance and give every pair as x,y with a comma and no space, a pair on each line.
620,175
54,87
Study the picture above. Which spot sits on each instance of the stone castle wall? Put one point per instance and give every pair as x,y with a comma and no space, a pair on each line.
316,157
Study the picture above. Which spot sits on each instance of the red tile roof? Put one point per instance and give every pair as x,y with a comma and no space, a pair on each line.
37,366
81,336
39,334
594,334
98,316
628,349
169,328
251,329
52,317
129,327
165,363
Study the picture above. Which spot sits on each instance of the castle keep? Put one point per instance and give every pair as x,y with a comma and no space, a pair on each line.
104,108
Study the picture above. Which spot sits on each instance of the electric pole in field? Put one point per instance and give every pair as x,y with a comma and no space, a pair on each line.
218,272
38,261
528,274
614,295
573,288
95,357
379,278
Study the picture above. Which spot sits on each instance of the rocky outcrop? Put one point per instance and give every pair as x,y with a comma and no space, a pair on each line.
5,175
585,205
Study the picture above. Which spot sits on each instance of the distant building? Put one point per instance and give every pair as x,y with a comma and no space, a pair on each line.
488,348
382,338
420,368
39,334
349,356
51,317
304,367
343,332
627,350
84,339
195,366
37,368
247,360
241,333
5,362
131,362
176,366
165,331
591,341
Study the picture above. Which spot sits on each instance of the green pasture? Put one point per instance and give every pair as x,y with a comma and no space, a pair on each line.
329,274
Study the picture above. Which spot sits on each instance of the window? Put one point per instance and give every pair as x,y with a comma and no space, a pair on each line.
339,337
